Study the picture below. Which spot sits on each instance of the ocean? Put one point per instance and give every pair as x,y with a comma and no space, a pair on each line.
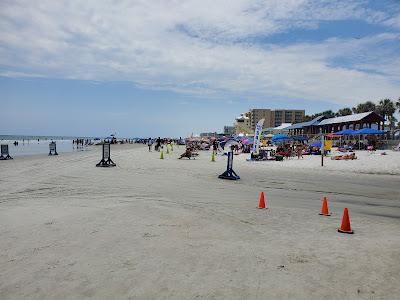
34,145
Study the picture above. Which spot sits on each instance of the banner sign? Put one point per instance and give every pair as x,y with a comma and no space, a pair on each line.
257,136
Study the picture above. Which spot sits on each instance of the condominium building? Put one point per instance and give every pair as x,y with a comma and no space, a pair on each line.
277,117
243,124
229,130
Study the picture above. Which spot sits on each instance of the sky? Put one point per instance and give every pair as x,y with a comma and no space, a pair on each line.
173,68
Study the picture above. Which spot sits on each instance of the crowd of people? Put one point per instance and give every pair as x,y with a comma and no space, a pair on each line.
159,143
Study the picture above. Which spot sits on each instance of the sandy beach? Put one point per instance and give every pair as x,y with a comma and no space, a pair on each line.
170,229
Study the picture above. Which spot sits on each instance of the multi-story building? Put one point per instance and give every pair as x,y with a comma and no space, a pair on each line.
277,117
243,124
229,130
208,134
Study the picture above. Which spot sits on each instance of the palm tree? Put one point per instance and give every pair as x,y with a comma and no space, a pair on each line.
387,108
392,122
344,112
328,114
364,107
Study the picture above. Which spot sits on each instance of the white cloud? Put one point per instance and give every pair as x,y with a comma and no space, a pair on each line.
394,21
198,47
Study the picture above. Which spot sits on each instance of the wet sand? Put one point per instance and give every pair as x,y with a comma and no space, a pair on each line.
151,229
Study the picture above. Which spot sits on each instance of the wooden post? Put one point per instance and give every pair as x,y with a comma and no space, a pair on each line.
322,148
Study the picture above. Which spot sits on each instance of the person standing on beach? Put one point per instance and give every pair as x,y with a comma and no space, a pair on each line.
215,146
299,150
149,143
158,144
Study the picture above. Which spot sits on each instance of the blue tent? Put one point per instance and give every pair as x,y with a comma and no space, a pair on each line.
345,132
316,144
280,138
300,138
368,131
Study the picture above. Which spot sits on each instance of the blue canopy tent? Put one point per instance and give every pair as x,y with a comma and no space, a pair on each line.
300,138
277,138
345,132
316,144
368,131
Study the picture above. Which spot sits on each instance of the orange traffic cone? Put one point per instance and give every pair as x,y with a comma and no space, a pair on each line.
345,228
324,209
261,204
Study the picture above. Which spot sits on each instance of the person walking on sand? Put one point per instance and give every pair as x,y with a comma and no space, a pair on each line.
149,143
215,146
299,151
158,144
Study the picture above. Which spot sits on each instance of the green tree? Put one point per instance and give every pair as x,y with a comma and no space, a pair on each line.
398,104
344,112
364,107
392,122
386,108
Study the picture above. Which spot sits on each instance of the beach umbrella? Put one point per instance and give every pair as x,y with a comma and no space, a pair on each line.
229,144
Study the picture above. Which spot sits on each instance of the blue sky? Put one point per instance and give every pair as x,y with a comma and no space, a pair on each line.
173,68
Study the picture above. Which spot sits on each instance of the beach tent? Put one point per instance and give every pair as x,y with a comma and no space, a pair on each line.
316,144
368,131
300,138
345,132
280,138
